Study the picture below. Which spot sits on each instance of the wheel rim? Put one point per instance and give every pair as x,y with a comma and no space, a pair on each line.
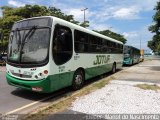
114,69
78,79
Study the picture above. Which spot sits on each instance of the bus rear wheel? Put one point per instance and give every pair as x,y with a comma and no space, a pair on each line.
78,80
132,62
114,68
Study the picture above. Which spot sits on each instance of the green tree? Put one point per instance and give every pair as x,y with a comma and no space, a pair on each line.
57,13
6,23
85,24
11,15
155,42
113,35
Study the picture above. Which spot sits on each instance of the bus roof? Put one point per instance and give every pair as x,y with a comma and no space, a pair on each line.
74,26
131,47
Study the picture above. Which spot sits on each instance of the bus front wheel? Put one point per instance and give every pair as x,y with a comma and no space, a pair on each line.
78,80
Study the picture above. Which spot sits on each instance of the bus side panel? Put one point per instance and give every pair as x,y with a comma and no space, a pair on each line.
94,71
62,80
119,65
136,58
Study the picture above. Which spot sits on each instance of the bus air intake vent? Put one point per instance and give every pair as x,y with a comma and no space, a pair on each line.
21,75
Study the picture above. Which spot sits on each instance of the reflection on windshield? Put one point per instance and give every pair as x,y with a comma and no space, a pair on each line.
29,46
126,55
14,45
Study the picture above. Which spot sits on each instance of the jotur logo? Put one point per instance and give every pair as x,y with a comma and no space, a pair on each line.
101,59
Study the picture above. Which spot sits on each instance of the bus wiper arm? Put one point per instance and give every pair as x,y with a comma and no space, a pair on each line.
30,33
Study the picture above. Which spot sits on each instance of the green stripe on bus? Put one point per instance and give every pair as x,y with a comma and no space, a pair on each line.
50,84
94,71
58,81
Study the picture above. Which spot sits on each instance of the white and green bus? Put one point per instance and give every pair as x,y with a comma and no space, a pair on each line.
47,53
131,55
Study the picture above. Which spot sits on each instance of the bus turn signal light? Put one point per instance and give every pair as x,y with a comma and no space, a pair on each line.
45,71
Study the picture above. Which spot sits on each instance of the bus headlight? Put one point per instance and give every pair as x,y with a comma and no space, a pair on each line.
41,75
36,76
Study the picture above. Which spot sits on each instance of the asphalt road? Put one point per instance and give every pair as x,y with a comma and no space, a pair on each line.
147,71
12,99
19,101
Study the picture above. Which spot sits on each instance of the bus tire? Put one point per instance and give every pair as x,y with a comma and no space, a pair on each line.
132,62
78,80
114,68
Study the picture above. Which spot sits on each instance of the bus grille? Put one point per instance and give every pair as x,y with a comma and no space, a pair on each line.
21,75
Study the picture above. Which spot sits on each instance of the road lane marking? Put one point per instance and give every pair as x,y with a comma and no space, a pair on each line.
149,65
33,103
28,105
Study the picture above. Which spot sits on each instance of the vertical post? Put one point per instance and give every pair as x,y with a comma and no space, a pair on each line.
84,15
84,12
140,41
1,41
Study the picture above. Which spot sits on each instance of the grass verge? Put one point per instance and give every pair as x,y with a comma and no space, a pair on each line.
66,101
148,87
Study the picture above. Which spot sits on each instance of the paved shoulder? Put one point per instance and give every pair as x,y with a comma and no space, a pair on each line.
2,69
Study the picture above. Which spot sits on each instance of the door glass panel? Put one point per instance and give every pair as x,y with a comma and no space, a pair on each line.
62,44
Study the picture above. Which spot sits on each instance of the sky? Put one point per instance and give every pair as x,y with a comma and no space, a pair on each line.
130,18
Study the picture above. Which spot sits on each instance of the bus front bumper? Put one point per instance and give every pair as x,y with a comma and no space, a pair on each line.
127,62
42,85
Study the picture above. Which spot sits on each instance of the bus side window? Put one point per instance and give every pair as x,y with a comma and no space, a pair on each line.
62,44
81,41
81,45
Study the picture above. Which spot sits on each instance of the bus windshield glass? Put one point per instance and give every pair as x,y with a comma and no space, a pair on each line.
127,52
29,41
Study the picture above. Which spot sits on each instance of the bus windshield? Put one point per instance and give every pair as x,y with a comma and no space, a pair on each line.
127,52
126,55
29,43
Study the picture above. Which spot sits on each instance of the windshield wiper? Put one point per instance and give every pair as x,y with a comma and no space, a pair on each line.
28,35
